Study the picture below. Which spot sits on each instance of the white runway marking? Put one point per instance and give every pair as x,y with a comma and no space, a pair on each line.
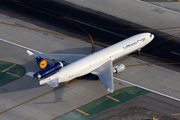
95,27
175,53
19,45
158,6
147,89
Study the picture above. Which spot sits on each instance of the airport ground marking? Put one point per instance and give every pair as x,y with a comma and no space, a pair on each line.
82,112
108,26
175,53
13,74
168,96
9,68
59,18
176,114
112,98
27,48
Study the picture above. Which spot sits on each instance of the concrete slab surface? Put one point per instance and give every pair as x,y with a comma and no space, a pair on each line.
26,99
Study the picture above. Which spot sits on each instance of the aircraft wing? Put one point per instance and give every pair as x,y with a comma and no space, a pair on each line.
60,57
105,74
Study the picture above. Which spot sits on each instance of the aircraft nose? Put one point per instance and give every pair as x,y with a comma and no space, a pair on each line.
151,37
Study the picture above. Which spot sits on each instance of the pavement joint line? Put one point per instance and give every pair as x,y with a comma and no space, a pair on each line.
112,98
107,26
95,27
158,6
13,74
168,96
82,112
8,68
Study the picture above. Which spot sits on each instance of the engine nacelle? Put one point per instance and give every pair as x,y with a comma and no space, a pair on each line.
119,68
44,73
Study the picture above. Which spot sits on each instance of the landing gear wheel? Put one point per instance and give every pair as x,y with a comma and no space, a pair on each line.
139,51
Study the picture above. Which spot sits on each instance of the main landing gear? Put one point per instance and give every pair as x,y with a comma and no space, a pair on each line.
139,51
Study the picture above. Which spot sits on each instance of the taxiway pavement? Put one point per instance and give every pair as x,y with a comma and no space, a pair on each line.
25,99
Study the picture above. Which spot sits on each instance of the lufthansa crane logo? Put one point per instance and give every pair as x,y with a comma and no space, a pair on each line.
43,64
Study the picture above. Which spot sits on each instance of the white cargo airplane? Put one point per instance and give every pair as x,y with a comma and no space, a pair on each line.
99,63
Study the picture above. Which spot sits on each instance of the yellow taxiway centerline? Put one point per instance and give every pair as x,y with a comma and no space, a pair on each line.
176,114
13,74
112,98
8,68
82,112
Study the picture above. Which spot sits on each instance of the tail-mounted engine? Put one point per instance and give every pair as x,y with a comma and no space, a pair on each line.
47,68
118,68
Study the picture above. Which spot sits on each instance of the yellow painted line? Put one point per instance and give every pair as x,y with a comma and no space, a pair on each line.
70,82
13,74
176,114
82,112
112,98
8,68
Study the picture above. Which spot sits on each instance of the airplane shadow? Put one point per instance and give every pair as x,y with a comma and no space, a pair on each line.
21,85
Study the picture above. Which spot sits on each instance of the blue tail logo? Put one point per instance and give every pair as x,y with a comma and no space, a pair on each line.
43,63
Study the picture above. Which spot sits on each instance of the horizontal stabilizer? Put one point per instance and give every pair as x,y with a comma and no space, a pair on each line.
30,74
29,52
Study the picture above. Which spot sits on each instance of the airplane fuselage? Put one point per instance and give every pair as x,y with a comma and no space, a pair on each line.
91,62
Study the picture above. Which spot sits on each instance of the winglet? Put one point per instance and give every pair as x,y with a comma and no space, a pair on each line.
29,52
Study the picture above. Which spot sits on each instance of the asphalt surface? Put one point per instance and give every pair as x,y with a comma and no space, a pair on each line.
85,23
37,12
151,101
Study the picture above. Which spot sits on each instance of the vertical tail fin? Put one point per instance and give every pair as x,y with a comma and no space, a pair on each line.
42,63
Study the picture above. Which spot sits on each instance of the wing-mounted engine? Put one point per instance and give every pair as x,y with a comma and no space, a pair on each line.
47,68
118,68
